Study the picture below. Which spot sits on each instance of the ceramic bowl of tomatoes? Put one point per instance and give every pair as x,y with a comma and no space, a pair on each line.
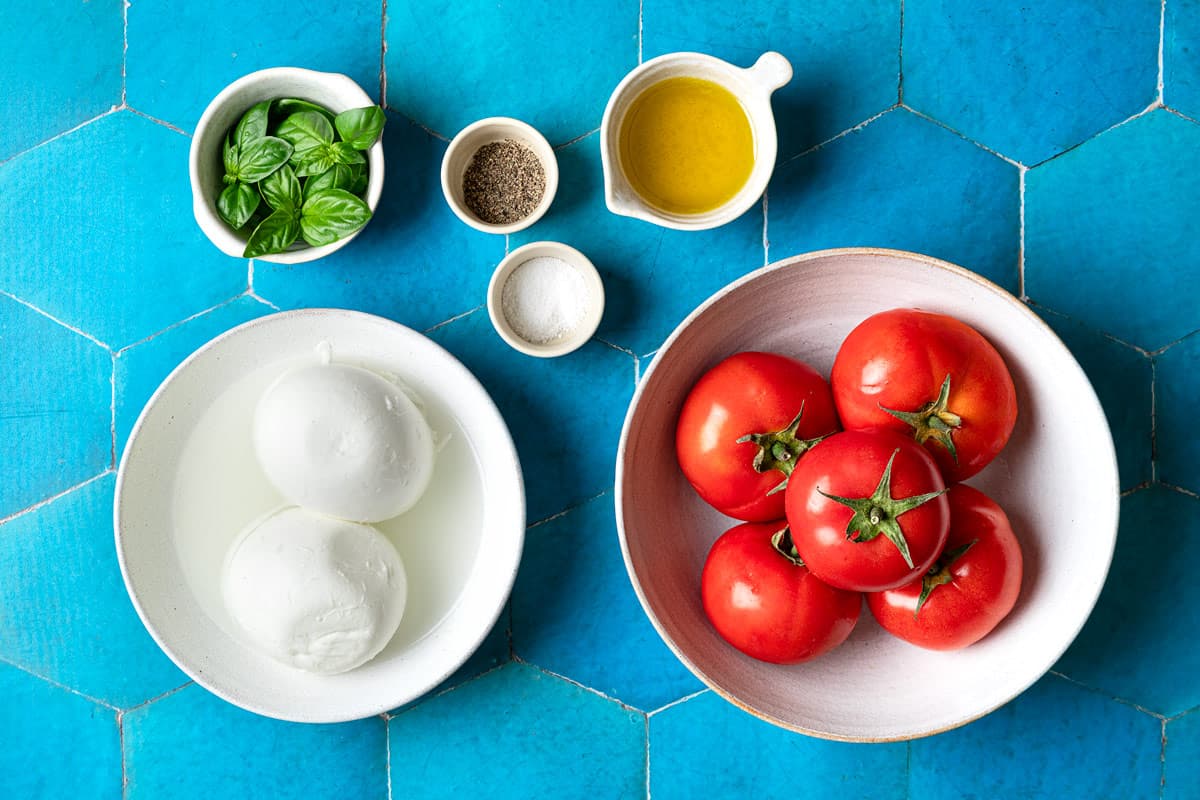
1005,468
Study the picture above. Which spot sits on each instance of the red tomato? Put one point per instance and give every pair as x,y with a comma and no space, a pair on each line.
867,510
744,424
968,590
932,377
764,602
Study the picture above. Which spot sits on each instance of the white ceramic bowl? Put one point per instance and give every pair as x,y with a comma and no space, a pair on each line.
1057,479
189,481
593,300
334,91
752,87
462,149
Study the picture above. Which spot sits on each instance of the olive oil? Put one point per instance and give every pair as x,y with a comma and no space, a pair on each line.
686,145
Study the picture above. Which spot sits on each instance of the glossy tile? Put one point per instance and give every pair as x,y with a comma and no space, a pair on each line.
1055,740
575,613
1030,80
1108,226
707,747
901,182
66,614
1181,779
1175,389
195,745
1138,644
492,652
551,65
517,732
122,258
1181,56
845,56
181,55
62,68
40,724
55,416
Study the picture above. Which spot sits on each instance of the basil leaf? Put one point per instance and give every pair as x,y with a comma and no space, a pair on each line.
331,214
261,157
236,203
360,127
253,124
317,161
273,235
281,190
305,131
290,105
359,185
339,176
229,157
345,154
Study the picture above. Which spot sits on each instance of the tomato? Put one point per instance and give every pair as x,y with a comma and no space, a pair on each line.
932,377
764,602
867,510
968,590
744,424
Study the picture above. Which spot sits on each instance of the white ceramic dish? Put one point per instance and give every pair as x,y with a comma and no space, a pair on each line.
188,482
752,87
1057,479
334,91
593,302
461,151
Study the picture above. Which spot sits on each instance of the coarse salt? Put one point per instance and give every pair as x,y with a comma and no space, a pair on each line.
544,299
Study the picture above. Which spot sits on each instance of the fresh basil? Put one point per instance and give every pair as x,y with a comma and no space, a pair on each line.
290,105
331,214
281,189
274,234
317,162
343,153
360,127
306,131
261,157
237,203
339,176
229,157
359,185
253,124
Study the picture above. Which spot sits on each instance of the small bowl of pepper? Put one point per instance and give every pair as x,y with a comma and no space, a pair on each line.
499,175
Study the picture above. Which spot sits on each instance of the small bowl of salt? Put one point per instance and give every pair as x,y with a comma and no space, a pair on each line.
545,299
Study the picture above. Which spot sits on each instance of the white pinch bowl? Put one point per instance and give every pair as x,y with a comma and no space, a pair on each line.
1056,479
331,90
752,87
174,523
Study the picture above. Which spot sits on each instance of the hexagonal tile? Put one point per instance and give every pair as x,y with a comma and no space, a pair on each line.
1055,740
1122,378
564,413
1108,231
653,277
575,614
181,56
845,55
1181,57
1030,80
55,415
551,65
193,744
62,67
106,240
414,262
1177,441
707,747
520,733
901,182
1181,754
1139,643
66,614
39,723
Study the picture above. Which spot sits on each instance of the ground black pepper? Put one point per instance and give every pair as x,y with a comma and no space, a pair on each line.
504,182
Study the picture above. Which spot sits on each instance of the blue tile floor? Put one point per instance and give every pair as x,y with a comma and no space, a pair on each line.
1053,148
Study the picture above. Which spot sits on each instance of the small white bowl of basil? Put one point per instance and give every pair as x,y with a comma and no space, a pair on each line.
286,165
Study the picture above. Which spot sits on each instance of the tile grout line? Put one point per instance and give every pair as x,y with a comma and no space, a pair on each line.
1153,106
250,276
1172,487
765,240
160,696
836,136
900,60
1110,337
124,52
641,11
578,684
455,318
45,502
1162,33
1153,419
158,121
53,318
387,729
67,132
570,142
112,410
56,684
383,88
674,703
963,136
181,322
1162,760
124,754
646,723
1021,171
1102,693
568,510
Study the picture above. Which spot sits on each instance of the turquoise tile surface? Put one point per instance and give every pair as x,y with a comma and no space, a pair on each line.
845,55
39,725
575,614
551,65
1181,56
707,747
863,190
63,66
1147,607
56,420
1116,215
518,732
1056,740
67,618
1181,779
191,744
1177,384
1030,80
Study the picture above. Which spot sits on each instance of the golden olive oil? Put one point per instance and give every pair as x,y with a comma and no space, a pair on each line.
686,145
